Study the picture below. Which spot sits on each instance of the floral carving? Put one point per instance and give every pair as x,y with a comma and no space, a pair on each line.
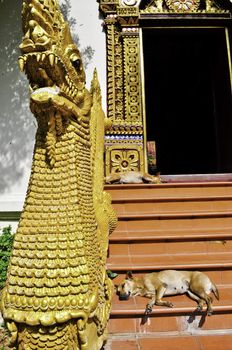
183,5
124,160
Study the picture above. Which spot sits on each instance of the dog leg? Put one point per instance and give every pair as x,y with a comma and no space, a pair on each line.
157,299
202,295
160,293
197,299
113,178
208,301
147,178
150,305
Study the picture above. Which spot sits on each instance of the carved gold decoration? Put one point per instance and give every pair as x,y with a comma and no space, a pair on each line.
130,2
125,90
105,215
57,294
121,127
128,16
124,160
114,71
154,6
183,5
108,6
121,158
132,81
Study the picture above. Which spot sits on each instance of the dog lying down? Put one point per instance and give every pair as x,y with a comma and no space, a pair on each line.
132,177
155,285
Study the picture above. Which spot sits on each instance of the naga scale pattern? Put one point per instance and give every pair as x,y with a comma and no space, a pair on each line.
58,295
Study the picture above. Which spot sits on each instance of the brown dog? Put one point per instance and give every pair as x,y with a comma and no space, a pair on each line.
155,285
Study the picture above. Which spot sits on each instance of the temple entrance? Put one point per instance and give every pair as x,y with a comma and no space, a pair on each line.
188,99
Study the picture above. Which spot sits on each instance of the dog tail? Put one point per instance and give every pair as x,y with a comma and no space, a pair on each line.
215,291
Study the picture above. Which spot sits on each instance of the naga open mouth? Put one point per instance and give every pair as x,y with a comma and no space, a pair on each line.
47,73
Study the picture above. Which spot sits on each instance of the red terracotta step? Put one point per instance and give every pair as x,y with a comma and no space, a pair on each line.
172,205
181,324
178,215
219,177
129,316
142,247
196,189
182,221
168,261
172,226
171,342
171,235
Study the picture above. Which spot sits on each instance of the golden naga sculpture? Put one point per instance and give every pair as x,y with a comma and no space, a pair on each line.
57,294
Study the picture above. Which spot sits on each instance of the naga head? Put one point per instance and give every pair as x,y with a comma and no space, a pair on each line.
55,71
50,59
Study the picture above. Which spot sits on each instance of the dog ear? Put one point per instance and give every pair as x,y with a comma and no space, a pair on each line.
129,275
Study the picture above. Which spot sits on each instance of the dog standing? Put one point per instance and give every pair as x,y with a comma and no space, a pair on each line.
155,285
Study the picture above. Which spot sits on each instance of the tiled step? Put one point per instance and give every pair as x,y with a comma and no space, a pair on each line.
143,247
157,324
129,316
174,221
182,261
178,215
173,205
172,226
219,177
169,190
207,341
174,234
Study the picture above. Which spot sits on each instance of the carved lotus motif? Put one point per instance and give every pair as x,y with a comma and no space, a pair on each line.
183,5
125,160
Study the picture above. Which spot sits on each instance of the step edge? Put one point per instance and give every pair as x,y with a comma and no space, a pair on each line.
163,266
175,215
169,184
174,310
172,334
122,238
171,199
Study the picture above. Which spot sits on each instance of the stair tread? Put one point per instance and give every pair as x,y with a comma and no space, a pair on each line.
170,214
182,304
174,210
171,234
186,198
189,217
170,342
109,187
168,261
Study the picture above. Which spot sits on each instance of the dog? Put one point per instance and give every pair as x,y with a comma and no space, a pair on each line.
155,285
132,177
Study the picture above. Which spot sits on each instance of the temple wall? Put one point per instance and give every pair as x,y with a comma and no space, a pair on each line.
17,124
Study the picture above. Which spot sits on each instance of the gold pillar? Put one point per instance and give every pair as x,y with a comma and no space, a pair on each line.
124,140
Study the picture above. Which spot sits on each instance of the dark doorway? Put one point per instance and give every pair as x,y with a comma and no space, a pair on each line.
188,99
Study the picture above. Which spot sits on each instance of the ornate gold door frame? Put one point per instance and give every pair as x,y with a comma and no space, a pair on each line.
125,141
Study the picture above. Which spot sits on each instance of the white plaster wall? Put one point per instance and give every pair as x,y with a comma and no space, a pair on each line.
17,172
90,31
